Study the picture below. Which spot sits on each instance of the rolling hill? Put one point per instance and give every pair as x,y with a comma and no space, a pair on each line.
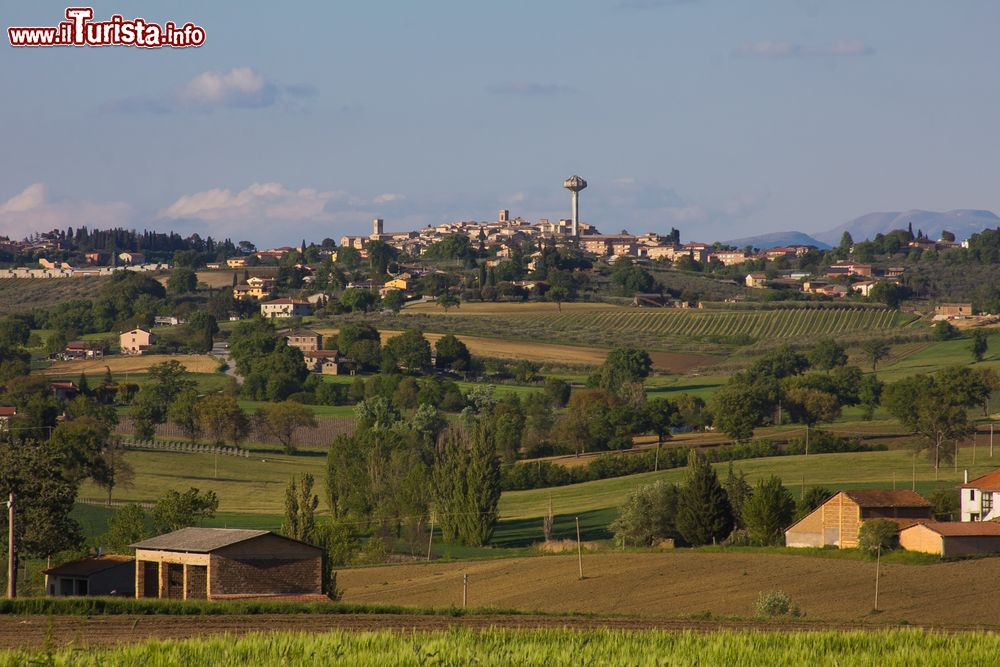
775,239
962,222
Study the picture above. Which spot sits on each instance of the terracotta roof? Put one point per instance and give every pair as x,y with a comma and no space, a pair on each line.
988,482
887,498
299,333
321,354
280,302
8,411
85,567
963,528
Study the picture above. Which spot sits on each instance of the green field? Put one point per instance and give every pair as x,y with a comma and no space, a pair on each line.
254,487
18,295
702,323
497,646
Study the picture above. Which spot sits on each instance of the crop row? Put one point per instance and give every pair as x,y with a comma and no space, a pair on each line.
696,323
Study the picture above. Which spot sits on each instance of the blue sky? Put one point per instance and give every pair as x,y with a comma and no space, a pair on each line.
295,120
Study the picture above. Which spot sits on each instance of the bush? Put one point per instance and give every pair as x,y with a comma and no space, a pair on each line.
775,603
877,533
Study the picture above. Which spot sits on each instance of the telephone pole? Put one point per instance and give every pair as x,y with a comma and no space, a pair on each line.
11,551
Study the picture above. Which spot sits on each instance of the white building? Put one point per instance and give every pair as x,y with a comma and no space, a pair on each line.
981,497
285,308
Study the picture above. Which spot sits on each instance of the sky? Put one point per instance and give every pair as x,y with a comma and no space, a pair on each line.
306,120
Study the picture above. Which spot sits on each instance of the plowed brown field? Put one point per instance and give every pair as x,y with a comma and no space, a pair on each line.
683,582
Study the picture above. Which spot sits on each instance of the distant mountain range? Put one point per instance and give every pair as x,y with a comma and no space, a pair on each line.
776,239
962,222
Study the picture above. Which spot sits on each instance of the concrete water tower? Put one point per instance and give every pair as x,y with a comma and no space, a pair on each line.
574,184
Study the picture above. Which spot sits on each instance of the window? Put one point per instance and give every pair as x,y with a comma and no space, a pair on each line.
972,494
987,503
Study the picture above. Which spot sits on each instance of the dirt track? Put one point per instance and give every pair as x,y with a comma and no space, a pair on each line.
69,631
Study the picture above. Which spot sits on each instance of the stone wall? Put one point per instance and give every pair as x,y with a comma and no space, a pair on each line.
266,576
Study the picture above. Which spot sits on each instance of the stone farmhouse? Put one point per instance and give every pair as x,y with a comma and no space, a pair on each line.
226,563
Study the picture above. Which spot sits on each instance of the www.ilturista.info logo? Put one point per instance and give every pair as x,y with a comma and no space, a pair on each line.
80,30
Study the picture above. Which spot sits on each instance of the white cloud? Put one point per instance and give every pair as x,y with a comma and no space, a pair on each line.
388,198
784,49
259,202
238,88
32,210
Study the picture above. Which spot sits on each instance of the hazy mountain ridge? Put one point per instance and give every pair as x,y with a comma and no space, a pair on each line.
962,222
775,239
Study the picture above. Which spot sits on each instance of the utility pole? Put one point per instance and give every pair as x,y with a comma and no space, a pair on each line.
878,560
465,591
579,547
11,551
430,538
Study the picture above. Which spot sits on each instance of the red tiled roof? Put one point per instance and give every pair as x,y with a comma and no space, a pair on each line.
988,482
963,528
8,411
280,302
887,498
320,354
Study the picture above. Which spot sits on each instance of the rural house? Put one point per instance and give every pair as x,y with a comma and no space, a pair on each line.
981,497
221,563
64,390
838,520
82,349
136,341
326,362
304,339
285,308
947,311
95,575
132,257
7,412
756,280
952,538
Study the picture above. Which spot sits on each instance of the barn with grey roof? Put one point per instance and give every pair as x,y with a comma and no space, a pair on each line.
226,563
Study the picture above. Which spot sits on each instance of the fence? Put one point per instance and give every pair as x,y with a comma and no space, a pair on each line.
327,429
190,447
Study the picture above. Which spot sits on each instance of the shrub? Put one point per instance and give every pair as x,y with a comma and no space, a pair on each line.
775,603
877,533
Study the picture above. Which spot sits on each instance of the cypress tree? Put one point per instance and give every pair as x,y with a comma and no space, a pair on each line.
703,511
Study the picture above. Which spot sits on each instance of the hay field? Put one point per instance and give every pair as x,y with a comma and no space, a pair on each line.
196,363
216,278
685,581
501,348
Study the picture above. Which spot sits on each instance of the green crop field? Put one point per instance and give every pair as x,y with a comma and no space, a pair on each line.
702,323
834,471
498,646
256,485
25,294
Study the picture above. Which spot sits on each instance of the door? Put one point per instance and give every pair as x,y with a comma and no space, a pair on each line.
150,579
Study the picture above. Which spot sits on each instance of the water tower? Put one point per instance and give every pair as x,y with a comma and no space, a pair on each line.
574,184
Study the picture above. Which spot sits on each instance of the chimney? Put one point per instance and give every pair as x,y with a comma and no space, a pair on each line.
965,476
